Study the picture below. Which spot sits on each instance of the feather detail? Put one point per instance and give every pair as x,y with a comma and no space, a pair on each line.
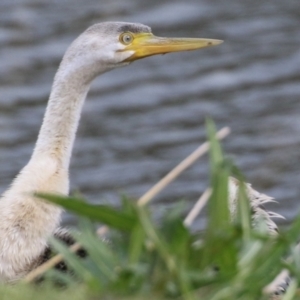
257,200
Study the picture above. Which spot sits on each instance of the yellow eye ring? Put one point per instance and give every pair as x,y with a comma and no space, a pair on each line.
126,38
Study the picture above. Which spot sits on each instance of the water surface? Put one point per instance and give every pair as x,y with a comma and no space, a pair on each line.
140,121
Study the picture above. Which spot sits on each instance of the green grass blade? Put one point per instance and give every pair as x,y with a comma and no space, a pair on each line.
101,213
219,227
99,252
137,240
74,262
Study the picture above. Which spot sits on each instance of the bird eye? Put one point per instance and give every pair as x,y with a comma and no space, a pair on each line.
126,38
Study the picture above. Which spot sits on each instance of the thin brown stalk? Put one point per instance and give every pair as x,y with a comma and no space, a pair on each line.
174,173
195,211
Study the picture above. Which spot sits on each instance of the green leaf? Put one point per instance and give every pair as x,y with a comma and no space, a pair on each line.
137,240
219,216
99,252
157,238
101,213
220,249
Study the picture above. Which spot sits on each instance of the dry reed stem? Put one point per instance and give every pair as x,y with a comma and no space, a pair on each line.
149,195
57,259
195,211
174,173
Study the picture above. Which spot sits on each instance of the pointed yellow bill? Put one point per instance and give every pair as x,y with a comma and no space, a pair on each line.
146,44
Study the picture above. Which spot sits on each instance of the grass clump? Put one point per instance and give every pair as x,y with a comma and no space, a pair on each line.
144,259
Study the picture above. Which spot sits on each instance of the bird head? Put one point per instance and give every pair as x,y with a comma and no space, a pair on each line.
111,44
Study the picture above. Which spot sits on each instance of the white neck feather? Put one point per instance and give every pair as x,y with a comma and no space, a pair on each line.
57,134
27,222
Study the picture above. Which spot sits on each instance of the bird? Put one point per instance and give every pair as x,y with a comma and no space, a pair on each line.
26,222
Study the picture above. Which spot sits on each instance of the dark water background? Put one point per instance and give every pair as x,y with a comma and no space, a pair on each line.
140,121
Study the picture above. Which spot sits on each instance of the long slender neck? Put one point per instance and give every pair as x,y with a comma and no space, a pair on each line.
69,90
26,223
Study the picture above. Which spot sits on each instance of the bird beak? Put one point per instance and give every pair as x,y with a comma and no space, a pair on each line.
146,44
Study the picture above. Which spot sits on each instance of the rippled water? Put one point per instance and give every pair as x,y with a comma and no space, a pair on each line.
140,121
